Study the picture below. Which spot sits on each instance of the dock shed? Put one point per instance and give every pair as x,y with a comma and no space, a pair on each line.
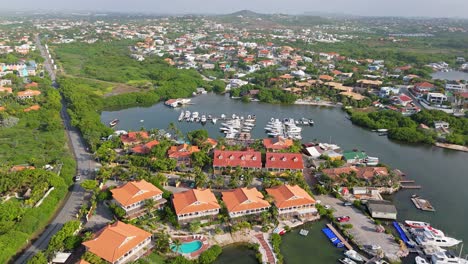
382,209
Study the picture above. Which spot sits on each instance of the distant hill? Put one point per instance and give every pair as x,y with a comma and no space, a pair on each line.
246,13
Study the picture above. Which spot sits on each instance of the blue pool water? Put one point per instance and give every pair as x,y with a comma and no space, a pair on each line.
189,247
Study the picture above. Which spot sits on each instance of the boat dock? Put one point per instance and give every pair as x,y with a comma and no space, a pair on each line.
452,146
338,235
422,204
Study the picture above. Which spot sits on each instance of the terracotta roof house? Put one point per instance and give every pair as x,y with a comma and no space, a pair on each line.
28,94
182,153
195,203
119,243
367,173
132,196
292,200
369,83
280,162
327,78
134,137
212,142
31,85
32,108
334,173
424,87
247,159
144,148
402,100
243,201
21,168
7,90
277,143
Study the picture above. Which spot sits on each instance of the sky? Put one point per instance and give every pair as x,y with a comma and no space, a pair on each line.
414,8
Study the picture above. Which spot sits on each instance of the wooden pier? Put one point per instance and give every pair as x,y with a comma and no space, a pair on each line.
411,186
422,204
407,181
345,243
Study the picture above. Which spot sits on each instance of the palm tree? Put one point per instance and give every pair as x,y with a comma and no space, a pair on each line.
177,244
149,204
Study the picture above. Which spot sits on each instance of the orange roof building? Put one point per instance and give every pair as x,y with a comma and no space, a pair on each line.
144,148
292,200
277,143
134,137
17,168
327,78
182,153
32,108
119,243
244,201
28,94
281,162
195,203
7,90
132,196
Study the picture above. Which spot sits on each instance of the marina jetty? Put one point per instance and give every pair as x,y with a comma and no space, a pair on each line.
422,204
452,146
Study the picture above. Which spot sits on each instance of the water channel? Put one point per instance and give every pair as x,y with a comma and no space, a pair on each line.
442,173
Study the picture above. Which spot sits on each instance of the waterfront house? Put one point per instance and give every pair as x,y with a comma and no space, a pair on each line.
334,173
135,137
402,100
455,86
132,197
277,143
119,243
292,201
423,87
144,148
28,94
354,156
182,153
280,162
368,173
195,203
244,201
229,160
382,209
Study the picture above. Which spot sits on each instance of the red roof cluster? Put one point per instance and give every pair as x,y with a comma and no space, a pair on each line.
134,137
145,148
243,159
291,161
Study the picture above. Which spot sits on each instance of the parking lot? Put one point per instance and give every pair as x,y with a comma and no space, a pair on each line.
364,229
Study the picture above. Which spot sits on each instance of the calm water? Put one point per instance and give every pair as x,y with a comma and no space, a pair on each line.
315,247
235,254
451,75
442,173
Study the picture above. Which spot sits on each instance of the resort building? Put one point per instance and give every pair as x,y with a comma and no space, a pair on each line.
243,201
132,197
226,159
135,137
281,162
119,243
292,201
182,153
277,143
195,203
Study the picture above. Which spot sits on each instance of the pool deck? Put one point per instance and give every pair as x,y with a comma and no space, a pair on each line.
188,239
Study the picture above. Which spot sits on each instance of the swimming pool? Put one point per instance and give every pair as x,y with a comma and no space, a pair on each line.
189,247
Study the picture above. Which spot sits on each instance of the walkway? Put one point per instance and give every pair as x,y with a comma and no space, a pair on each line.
266,247
345,243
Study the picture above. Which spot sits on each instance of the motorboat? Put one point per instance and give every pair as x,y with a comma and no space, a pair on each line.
181,116
446,257
417,224
231,135
203,119
420,260
223,116
347,261
426,237
113,123
214,120
195,115
187,114
353,255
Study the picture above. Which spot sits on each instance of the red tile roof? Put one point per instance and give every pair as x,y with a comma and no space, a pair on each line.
287,196
135,191
242,199
277,143
113,241
405,98
134,137
292,161
424,85
369,172
182,151
243,159
326,77
145,148
194,200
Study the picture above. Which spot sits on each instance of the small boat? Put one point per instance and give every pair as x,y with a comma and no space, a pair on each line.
113,123
187,115
346,261
141,120
382,130
420,260
203,119
181,116
223,116
446,257
417,224
304,232
353,255
214,120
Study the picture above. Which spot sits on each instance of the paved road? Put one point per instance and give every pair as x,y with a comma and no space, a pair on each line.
85,164
364,229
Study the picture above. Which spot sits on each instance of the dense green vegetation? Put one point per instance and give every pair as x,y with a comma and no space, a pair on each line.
406,129
38,139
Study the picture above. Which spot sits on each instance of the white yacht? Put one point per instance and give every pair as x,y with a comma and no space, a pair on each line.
445,257
347,261
187,114
181,116
352,254
214,120
434,237
203,119
420,260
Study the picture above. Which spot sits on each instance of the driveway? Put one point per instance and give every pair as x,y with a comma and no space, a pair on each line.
101,217
364,229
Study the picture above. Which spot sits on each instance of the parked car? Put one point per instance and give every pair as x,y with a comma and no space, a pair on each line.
343,219
347,204
77,178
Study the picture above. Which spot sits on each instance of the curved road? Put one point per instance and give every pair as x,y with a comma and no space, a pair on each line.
85,167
